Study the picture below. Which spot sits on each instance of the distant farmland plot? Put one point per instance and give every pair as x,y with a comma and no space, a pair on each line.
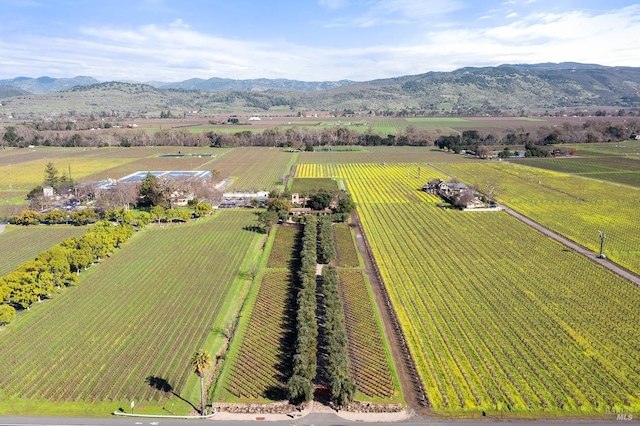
380,155
141,313
572,206
21,155
437,122
25,176
255,169
312,185
19,244
615,169
629,149
388,126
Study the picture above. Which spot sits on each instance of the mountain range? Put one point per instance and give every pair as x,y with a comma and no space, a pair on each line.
44,85
471,89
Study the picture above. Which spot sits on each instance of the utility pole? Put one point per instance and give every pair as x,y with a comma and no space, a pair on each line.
602,237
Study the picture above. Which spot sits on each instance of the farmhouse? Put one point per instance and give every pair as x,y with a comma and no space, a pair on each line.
456,193
448,189
297,199
48,192
181,199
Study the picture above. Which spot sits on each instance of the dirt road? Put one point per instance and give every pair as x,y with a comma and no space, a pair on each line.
410,382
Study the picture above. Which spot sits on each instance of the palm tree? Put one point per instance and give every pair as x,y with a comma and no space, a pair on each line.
200,361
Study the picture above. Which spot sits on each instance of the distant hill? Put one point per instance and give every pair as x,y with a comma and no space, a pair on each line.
464,91
217,84
553,66
42,85
9,91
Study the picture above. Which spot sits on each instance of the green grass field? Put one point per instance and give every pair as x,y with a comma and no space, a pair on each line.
629,149
138,315
598,163
307,186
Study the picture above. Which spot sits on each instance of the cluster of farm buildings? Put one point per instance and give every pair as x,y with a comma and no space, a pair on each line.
459,195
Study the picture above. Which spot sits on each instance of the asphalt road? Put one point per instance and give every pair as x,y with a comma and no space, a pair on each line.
310,420
624,273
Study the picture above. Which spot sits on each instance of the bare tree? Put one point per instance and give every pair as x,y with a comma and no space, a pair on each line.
464,198
491,189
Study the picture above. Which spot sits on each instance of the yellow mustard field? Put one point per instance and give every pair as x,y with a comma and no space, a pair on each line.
498,317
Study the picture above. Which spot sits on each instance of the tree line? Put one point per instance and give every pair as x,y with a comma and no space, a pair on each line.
58,267
300,384
343,388
25,134
318,246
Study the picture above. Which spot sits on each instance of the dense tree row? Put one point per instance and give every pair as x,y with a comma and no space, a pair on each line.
300,385
59,266
587,132
78,217
343,387
326,245
25,134
119,214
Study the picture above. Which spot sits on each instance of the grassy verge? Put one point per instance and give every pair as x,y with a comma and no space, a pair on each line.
217,390
233,308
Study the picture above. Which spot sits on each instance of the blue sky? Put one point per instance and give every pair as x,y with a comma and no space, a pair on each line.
312,40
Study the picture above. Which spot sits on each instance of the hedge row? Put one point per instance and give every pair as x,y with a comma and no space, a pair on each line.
326,245
58,267
300,386
343,387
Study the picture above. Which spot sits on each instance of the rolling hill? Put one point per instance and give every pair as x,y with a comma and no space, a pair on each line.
467,90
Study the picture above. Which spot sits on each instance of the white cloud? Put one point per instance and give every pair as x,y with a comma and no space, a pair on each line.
176,52
178,24
384,12
512,15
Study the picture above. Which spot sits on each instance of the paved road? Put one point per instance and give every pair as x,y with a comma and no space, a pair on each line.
310,420
617,269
